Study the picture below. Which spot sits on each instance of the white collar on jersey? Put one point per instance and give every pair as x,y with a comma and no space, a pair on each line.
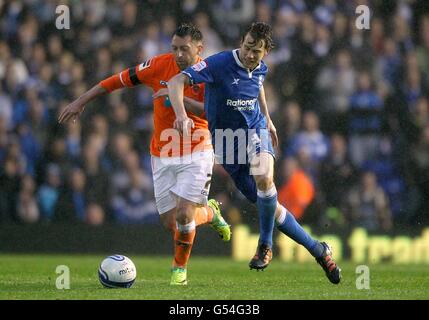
237,60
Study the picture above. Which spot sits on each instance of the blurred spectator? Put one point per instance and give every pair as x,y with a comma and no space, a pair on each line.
120,146
388,173
168,26
323,42
73,140
340,31
414,86
263,12
388,65
6,110
94,215
9,188
367,206
212,42
4,139
27,210
56,153
288,121
336,83
73,202
231,16
401,32
284,30
133,201
55,48
359,44
120,119
150,44
124,31
37,121
423,48
301,79
97,188
324,12
272,98
31,148
377,36
420,114
365,120
297,192
337,172
129,165
14,153
310,139
49,192
420,168
100,127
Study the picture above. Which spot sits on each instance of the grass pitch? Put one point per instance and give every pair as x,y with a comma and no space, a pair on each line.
34,277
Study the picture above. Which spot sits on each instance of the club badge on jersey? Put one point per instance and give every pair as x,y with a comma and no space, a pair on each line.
167,102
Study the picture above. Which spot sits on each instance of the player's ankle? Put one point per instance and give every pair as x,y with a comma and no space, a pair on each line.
175,267
210,215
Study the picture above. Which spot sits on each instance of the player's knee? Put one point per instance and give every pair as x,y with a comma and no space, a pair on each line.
184,213
264,182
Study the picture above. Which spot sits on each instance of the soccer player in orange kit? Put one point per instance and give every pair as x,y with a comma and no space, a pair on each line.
181,167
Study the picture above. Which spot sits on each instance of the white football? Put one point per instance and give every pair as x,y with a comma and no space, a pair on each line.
117,271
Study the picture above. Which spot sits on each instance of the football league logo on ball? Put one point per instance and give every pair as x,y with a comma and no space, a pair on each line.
117,271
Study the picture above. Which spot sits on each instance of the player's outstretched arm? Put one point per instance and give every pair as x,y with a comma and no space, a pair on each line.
270,125
176,86
75,109
128,78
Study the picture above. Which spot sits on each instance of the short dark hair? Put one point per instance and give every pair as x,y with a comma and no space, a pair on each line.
260,31
189,29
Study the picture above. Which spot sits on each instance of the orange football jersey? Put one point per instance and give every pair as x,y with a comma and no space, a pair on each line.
155,73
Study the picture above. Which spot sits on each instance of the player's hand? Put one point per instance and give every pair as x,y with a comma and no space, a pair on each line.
273,132
184,125
160,93
72,111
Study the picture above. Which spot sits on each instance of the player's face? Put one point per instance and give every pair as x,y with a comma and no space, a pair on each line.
252,52
185,51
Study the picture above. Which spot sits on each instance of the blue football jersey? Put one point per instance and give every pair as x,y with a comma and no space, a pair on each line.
231,104
231,91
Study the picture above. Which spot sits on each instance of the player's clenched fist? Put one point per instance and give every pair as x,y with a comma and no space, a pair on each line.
184,125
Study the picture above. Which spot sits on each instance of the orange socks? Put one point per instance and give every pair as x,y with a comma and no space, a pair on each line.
184,236
183,241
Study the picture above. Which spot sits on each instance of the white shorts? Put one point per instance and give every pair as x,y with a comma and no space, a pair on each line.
188,177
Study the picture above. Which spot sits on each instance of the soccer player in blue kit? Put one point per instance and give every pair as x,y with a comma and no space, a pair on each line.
235,102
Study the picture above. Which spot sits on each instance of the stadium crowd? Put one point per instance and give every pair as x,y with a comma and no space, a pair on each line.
350,106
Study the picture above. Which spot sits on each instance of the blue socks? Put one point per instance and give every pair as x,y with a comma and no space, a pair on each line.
267,204
287,224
